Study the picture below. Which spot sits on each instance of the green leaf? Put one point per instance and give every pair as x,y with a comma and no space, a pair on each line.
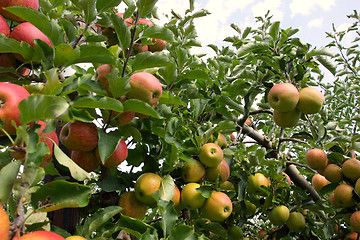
108,141
93,54
150,60
167,188
181,232
145,6
252,47
166,98
139,106
105,5
198,106
122,31
52,86
88,7
9,45
8,175
195,74
65,53
327,64
169,216
100,102
134,226
60,194
274,30
320,52
159,32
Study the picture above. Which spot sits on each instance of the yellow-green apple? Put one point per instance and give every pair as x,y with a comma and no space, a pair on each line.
283,97
343,195
286,119
4,224
4,26
158,45
235,233
355,221
310,100
227,185
145,87
333,173
218,207
296,221
75,238
42,235
221,140
279,215
193,171
222,169
250,208
351,169
211,154
118,156
87,160
100,76
316,158
79,136
256,181
318,181
145,186
131,206
176,198
190,197
10,96
11,3
333,201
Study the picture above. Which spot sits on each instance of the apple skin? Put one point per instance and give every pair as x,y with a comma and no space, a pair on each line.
11,95
79,136
7,60
333,173
318,181
4,224
145,87
211,154
190,198
86,160
145,186
193,172
158,45
10,3
41,235
255,182
351,169
124,118
333,201
250,208
4,26
117,157
176,198
357,187
100,76
351,236
75,238
221,140
138,48
343,195
235,233
286,119
44,137
316,159
222,169
227,185
218,207
279,215
132,207
355,221
296,221
310,100
283,97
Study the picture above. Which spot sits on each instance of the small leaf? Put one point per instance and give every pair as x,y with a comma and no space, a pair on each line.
320,52
8,175
108,143
274,30
88,7
93,54
327,64
252,47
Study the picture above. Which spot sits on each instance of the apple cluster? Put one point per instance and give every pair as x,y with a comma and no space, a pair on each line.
288,103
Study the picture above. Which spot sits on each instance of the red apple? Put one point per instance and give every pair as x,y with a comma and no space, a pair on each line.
10,3
41,235
138,48
145,186
351,169
86,160
355,221
7,60
310,100
343,195
145,21
123,118
117,157
4,224
218,207
192,172
4,26
79,136
48,139
287,119
145,87
190,198
283,97
211,154
158,45
131,206
222,169
318,181
333,173
351,236
10,97
100,76
296,222
316,159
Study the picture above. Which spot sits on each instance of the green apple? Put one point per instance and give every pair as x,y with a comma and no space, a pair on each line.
279,215
235,233
287,119
296,222
283,97
218,207
193,172
190,198
316,159
318,181
145,186
255,182
343,195
310,100
227,185
131,206
357,186
351,169
222,169
211,154
221,140
250,208
333,173
176,198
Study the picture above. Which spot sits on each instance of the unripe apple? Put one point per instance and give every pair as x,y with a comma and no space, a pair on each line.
193,172
283,97
222,169
221,140
86,160
145,186
355,221
250,208
75,238
351,169
211,154
333,173
343,195
316,159
318,181
227,185
286,119
218,207
10,97
235,233
158,45
357,186
118,156
4,26
279,215
131,206
10,3
79,136
255,182
310,100
296,222
41,235
4,224
190,198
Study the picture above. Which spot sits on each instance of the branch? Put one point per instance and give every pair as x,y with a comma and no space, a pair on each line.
258,137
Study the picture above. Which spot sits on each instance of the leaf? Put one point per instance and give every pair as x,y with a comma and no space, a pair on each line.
167,188
134,226
250,47
9,45
320,52
88,7
100,102
60,194
169,216
159,32
198,106
150,60
139,106
8,175
327,64
145,6
105,5
122,31
274,30
166,98
93,54
181,232
107,143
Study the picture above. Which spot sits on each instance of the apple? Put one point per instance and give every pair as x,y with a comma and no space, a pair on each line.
49,139
355,221
279,215
222,169
310,100
4,26
286,119
255,182
193,172
218,207
235,233
316,159
333,201
357,187
351,169
351,236
221,140
145,87
10,3
75,238
117,157
190,198
10,96
318,181
145,22
227,185
176,198
145,186
283,97
87,160
100,76
41,235
131,206
211,154
4,224
138,48
333,173
158,45
250,208
7,60
79,136
343,195
123,119
296,222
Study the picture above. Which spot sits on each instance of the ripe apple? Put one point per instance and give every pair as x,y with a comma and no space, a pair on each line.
283,97
4,224
176,198
100,76
343,195
222,169
190,198
79,136
318,181
4,26
310,100
75,238
10,96
117,157
351,169
279,215
316,159
132,207
158,45
124,118
218,207
355,221
145,186
255,182
145,87
193,172
333,201
10,3
87,160
145,22
227,185
296,221
138,48
41,235
351,236
48,139
211,154
333,173
286,119
7,60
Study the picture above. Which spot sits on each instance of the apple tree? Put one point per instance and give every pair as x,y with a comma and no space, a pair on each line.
113,128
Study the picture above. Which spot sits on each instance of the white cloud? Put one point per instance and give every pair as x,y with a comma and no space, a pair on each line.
306,7
261,8
316,23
